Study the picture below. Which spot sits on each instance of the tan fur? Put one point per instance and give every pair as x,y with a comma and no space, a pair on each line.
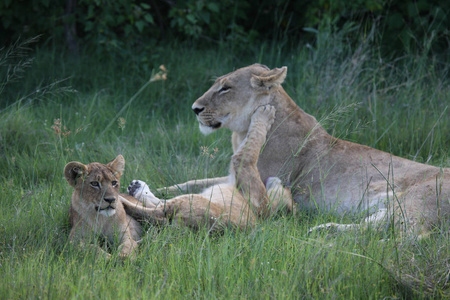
324,172
239,202
91,213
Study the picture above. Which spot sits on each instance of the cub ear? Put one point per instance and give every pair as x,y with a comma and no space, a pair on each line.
73,170
269,79
117,166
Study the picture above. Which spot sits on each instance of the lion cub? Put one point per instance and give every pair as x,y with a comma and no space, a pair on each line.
96,206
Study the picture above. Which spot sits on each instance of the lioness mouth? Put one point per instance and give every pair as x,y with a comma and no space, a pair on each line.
215,126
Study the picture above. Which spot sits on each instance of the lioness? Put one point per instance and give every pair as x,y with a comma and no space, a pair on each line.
96,206
239,202
323,171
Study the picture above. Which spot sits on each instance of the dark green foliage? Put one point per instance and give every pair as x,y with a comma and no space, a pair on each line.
30,18
418,25
114,24
118,26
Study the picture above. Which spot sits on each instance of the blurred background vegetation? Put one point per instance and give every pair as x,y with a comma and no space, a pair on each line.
120,25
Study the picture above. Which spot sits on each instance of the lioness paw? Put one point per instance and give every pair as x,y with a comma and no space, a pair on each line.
322,228
140,190
332,227
264,114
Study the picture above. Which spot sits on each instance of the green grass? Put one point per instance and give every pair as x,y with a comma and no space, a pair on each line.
396,105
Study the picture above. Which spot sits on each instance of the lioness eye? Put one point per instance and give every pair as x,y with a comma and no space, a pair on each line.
95,184
224,89
114,183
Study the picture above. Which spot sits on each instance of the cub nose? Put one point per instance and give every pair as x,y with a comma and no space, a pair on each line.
198,110
109,199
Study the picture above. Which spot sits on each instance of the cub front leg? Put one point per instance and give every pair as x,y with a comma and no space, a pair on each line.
77,237
244,161
128,246
261,122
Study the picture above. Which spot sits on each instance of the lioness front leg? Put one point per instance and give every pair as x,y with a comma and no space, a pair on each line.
244,161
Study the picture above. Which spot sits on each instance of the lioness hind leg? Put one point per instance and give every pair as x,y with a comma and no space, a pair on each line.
376,219
244,161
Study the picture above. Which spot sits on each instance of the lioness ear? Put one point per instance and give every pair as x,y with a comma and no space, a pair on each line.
117,166
269,79
73,170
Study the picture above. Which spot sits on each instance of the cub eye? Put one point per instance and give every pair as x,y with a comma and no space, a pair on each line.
95,184
224,89
114,183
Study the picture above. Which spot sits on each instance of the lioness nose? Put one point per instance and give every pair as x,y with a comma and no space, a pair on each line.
109,199
198,110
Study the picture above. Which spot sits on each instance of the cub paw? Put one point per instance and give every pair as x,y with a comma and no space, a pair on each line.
140,190
264,114
273,182
135,187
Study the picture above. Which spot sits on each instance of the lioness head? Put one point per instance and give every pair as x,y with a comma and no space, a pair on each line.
96,185
233,98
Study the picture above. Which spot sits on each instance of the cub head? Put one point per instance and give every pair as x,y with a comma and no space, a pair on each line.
96,186
233,98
